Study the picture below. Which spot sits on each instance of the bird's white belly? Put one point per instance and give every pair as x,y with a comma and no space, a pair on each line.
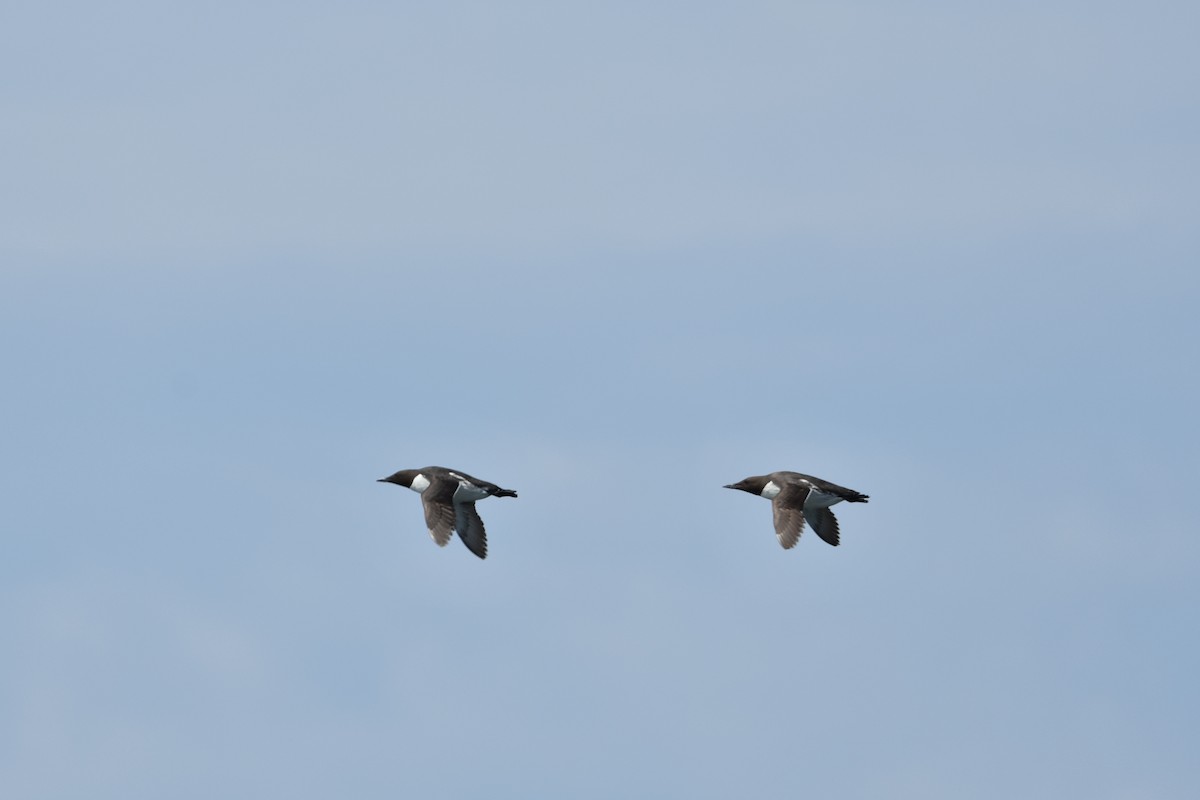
419,484
771,490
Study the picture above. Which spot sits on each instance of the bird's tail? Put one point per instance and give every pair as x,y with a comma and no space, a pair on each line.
857,497
504,493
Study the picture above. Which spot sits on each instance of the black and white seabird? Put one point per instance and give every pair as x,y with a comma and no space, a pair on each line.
796,498
449,498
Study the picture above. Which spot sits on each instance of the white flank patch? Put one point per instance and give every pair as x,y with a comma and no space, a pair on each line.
468,492
420,483
771,490
818,499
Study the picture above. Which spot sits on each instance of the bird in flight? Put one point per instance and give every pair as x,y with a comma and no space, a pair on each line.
796,498
449,498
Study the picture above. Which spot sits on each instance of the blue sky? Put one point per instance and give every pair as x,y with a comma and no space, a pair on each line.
256,256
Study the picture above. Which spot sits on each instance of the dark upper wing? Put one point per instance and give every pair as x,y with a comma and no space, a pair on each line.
470,528
491,488
825,524
849,495
788,508
438,501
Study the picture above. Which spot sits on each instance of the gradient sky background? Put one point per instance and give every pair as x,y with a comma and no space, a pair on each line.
614,256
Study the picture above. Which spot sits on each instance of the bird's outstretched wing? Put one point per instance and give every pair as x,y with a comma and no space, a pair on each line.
470,528
824,523
788,509
439,510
